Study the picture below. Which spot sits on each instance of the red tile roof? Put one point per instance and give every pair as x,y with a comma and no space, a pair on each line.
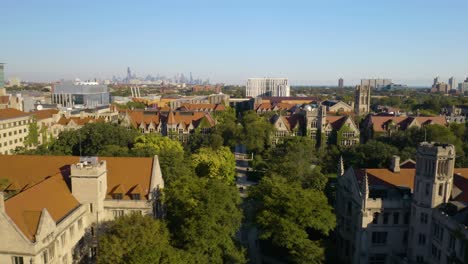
11,113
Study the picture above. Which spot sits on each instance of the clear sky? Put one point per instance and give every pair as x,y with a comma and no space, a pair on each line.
310,42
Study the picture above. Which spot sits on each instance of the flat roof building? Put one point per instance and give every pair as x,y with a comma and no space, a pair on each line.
86,94
261,87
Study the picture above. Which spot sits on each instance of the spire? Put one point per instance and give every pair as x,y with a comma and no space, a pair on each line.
365,187
341,167
171,118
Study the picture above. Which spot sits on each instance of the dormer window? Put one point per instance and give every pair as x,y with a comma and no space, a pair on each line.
117,196
135,196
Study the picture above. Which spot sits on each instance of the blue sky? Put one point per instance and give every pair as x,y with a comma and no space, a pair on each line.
310,42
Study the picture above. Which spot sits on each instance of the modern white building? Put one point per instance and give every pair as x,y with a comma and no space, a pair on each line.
376,83
260,87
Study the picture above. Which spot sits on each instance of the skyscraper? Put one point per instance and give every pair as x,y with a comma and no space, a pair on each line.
258,87
340,83
436,80
452,83
2,76
129,75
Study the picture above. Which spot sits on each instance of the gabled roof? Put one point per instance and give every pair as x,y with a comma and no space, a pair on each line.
79,121
9,113
52,194
336,122
380,123
405,178
44,114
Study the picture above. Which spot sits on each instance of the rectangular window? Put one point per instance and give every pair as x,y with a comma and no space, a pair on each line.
451,244
118,213
423,218
375,220
441,188
422,239
396,218
136,196
405,237
379,238
18,260
377,259
427,188
117,196
385,218
80,224
45,256
435,252
406,219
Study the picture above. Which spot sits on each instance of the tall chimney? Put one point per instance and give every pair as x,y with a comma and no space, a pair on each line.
395,166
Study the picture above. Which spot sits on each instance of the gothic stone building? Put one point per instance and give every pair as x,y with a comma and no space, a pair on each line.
50,206
414,212
315,123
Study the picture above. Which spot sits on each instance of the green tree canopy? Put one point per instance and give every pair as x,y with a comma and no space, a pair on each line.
256,132
171,154
203,216
215,164
291,217
137,239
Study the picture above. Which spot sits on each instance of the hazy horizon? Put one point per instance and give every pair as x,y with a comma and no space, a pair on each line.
309,42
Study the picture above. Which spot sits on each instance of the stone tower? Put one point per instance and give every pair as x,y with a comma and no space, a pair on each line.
89,184
362,99
432,187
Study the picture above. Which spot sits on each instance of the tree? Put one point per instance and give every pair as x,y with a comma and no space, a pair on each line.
373,154
295,160
170,152
293,218
91,139
256,132
137,239
32,139
204,215
216,164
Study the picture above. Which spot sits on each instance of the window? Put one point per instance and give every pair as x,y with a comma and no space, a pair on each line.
118,213
377,259
379,238
421,239
427,188
437,232
72,231
423,218
117,196
396,218
441,188
419,259
405,237
406,218
376,218
435,252
385,218
91,207
80,223
45,256
451,244
135,196
18,260
63,239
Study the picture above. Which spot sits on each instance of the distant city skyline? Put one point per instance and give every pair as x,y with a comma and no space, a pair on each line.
308,42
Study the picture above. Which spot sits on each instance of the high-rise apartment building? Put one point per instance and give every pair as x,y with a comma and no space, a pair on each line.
452,83
2,75
464,86
376,83
340,83
262,87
